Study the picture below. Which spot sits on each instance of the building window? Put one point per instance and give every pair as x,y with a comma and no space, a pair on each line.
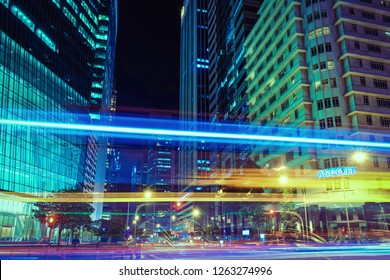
300,151
315,67
322,65
317,86
335,101
385,4
368,15
289,156
354,27
343,161
372,138
283,89
386,139
322,124
337,121
330,64
375,161
370,31
386,19
384,121
327,103
320,105
357,45
262,108
333,83
326,163
377,65
388,162
285,105
325,84
272,99
352,11
380,84
382,102
313,51
359,62
328,47
335,162
266,152
374,48
363,81
296,114
329,122
366,100
369,119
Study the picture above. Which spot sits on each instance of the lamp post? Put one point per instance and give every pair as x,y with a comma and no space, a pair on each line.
358,157
136,219
147,194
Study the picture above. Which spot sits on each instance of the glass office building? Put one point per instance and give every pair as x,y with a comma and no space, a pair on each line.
48,62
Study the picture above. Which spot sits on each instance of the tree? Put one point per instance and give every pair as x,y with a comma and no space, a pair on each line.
289,220
108,228
68,215
255,214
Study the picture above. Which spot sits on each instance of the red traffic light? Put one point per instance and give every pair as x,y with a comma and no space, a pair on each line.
51,220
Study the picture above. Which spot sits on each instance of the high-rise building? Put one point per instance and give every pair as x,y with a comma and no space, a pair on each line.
322,68
229,25
50,58
194,156
113,161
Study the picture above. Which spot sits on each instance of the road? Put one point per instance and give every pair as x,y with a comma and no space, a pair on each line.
371,252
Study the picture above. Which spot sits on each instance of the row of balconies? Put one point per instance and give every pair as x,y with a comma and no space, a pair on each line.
358,33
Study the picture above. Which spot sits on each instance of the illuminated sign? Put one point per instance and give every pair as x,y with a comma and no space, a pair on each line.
334,172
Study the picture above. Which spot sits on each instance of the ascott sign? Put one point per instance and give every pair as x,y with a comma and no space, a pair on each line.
339,171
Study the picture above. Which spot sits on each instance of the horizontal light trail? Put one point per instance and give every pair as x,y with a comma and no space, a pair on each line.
193,134
315,198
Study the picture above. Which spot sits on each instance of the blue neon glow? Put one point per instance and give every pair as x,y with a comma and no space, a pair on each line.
196,134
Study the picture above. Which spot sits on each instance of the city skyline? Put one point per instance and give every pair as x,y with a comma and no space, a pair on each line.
195,123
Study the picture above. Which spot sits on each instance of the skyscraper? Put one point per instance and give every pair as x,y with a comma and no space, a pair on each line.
321,67
48,66
194,156
228,27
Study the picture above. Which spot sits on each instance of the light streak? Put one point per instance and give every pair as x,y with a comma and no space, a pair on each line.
192,134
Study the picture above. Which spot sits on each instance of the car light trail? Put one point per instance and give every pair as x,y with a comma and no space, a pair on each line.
193,134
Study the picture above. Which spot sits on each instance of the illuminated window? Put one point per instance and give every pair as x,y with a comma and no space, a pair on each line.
73,5
89,12
46,39
317,86
69,15
5,2
23,18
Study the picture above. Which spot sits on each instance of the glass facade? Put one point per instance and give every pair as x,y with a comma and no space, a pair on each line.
46,74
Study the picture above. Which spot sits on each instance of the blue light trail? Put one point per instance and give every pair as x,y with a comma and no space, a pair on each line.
193,135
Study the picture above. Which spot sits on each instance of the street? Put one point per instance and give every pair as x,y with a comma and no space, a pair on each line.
302,252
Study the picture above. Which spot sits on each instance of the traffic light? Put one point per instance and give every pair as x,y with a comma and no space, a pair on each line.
51,220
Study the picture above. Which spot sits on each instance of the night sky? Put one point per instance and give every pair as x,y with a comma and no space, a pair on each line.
147,64
147,67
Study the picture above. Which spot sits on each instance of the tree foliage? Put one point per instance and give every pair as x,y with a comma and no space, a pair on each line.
108,228
289,220
255,214
65,214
